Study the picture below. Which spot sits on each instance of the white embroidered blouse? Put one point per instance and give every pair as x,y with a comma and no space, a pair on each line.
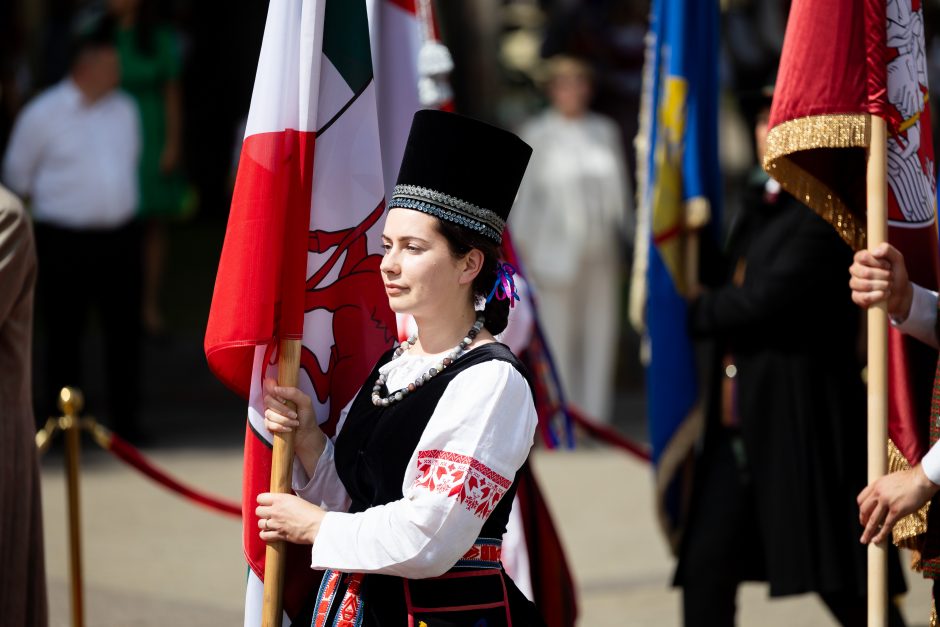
478,437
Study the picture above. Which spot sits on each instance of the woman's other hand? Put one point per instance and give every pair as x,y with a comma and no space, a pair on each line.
287,517
889,499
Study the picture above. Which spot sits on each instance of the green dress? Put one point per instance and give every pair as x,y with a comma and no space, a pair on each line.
144,77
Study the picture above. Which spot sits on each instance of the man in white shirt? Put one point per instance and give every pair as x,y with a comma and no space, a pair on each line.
73,154
879,275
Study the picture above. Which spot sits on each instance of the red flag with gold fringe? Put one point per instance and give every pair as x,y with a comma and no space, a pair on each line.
842,61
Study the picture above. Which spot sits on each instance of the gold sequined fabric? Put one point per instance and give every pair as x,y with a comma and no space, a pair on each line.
908,528
790,142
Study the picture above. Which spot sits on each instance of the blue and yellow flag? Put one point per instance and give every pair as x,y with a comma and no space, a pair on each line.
678,195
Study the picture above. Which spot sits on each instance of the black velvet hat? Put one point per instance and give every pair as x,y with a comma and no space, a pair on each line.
461,170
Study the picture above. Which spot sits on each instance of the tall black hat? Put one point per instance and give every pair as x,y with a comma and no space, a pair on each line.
461,170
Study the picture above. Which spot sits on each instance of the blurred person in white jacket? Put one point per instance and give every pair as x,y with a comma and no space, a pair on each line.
568,223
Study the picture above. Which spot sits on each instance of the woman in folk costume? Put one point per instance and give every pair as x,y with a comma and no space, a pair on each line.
407,506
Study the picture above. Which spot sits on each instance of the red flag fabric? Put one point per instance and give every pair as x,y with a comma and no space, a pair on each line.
302,248
552,582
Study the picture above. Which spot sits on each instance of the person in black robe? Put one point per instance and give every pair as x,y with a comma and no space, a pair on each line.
783,453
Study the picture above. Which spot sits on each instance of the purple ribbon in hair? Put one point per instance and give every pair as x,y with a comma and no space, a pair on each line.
504,287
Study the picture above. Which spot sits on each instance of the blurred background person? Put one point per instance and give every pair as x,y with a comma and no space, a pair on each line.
22,566
783,456
73,153
150,73
569,225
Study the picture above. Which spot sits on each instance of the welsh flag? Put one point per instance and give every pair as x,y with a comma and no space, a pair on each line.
302,248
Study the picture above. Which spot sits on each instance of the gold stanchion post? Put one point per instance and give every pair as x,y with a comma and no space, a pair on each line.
71,403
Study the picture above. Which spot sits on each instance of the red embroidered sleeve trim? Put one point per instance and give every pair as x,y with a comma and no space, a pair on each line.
474,484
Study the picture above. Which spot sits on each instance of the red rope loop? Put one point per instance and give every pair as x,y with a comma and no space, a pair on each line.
607,435
125,451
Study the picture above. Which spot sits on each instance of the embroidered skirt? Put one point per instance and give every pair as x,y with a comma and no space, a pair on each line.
475,593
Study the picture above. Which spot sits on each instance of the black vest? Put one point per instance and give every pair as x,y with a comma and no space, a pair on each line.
371,454
375,445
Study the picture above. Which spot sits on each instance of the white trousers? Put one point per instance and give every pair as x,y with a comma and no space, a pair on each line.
580,321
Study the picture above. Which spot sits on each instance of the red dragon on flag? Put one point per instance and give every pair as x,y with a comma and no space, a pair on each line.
302,247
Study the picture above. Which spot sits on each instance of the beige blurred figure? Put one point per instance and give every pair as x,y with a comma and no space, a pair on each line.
22,570
568,223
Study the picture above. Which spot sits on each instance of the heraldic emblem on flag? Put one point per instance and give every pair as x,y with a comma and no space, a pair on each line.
302,247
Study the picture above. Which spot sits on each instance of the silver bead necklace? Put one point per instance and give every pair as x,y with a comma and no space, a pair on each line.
432,372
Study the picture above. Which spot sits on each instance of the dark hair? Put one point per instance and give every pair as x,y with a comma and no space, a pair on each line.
91,32
461,241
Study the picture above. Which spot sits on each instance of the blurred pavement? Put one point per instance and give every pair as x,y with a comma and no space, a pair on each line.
153,559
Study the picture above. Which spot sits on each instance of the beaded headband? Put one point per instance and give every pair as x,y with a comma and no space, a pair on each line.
449,208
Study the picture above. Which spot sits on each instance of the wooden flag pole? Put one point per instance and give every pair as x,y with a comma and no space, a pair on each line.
275,556
877,232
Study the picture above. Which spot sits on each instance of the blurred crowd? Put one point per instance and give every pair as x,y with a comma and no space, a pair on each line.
118,121
189,68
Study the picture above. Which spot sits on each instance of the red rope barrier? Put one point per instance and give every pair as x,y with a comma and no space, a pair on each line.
126,452
608,435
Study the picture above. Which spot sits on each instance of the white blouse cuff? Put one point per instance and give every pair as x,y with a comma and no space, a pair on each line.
319,552
931,464
312,488
922,317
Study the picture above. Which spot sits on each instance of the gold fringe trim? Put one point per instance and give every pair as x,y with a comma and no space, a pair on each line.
914,524
906,531
848,130
838,130
933,613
